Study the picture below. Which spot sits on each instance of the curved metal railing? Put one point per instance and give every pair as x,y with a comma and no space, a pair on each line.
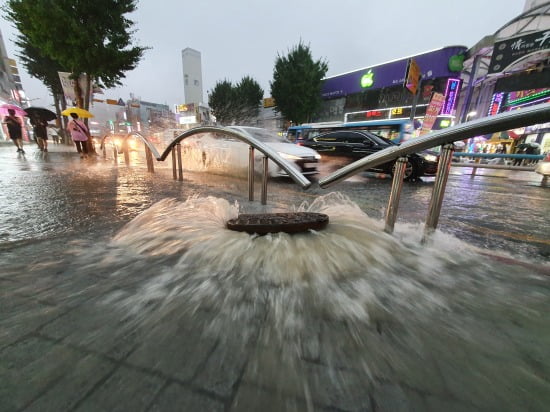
446,137
504,121
254,144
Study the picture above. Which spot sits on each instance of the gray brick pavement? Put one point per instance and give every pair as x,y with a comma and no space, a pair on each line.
70,339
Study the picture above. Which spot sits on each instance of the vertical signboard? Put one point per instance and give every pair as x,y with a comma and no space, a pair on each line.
412,76
451,95
68,85
431,112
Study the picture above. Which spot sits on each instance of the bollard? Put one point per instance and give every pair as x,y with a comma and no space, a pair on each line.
265,166
174,170
180,164
250,173
115,154
126,151
149,158
395,194
440,182
474,169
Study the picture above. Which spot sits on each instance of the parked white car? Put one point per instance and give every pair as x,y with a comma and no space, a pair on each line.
224,153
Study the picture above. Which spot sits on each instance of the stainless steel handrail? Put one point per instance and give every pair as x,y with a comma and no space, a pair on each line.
504,121
284,164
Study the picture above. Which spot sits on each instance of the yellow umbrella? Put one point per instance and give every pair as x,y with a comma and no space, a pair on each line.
80,112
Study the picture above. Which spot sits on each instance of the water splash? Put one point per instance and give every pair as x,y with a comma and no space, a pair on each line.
350,296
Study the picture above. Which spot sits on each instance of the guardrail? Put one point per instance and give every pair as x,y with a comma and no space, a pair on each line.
446,137
174,148
480,156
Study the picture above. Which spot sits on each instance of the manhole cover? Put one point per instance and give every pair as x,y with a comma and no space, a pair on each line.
263,223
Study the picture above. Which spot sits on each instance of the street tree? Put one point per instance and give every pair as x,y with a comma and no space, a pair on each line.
89,38
236,104
43,68
296,85
248,97
221,100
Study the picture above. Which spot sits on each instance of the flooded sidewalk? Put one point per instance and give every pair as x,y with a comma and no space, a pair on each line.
123,290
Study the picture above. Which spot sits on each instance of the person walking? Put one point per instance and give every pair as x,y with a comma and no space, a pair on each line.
79,133
15,130
39,127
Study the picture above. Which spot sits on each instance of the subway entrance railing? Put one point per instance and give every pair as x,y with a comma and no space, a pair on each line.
174,149
444,138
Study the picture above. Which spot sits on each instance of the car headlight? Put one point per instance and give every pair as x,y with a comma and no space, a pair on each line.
429,157
288,156
318,156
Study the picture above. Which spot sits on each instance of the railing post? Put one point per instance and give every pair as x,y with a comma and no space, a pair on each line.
395,194
265,168
438,192
474,169
250,173
115,153
180,164
149,158
174,169
126,151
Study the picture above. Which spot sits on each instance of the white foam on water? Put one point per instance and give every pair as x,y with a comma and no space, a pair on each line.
352,269
350,297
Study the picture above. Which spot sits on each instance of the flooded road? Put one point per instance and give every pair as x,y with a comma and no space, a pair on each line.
124,289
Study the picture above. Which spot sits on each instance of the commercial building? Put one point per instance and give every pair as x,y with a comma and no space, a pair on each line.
192,76
11,89
508,70
378,92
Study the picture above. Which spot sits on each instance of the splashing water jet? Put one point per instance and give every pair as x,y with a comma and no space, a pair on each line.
348,307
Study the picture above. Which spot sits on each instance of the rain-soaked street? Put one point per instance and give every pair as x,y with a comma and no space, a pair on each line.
123,290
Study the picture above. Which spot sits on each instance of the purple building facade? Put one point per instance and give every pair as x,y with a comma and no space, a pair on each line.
378,92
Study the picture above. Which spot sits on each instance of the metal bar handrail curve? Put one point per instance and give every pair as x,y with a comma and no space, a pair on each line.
505,121
284,164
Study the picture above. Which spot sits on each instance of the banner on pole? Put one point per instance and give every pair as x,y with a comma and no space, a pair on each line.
433,109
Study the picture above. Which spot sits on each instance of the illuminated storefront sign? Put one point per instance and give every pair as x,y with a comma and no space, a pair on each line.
451,94
509,51
524,96
496,103
398,111
376,114
367,80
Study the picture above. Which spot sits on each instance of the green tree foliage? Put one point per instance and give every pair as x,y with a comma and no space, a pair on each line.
248,95
239,104
85,37
40,66
296,85
221,100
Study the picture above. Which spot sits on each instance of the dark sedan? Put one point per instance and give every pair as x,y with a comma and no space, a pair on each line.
355,144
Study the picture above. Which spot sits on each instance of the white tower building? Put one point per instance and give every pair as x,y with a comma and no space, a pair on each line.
192,76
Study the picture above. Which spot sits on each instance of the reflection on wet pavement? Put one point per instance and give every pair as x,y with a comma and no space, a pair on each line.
122,289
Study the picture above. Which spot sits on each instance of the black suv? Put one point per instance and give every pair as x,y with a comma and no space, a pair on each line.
355,144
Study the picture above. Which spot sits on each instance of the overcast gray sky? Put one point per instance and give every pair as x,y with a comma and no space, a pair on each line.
244,37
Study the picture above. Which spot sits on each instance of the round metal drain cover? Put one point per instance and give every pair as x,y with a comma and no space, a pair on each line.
263,223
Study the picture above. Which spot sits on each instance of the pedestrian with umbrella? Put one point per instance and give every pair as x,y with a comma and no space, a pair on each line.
39,127
78,130
39,117
15,130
